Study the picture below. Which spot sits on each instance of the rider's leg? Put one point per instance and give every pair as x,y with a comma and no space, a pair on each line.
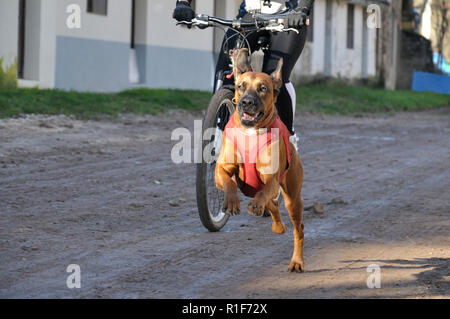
288,46
294,139
291,90
284,106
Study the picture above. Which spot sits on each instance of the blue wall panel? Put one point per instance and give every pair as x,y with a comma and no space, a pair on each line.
91,65
423,81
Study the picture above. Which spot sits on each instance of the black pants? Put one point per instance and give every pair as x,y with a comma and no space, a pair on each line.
284,45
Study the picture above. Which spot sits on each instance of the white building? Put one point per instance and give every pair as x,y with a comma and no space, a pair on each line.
339,44
118,47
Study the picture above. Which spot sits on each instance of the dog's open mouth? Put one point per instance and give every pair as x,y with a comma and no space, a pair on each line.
251,117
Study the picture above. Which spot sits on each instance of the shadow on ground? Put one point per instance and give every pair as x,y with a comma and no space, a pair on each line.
434,277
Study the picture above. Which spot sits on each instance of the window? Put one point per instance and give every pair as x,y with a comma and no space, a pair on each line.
97,7
310,32
350,25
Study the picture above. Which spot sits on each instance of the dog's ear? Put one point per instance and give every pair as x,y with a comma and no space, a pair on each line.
277,77
242,63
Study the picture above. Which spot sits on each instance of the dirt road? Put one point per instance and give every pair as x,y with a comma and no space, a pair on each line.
97,193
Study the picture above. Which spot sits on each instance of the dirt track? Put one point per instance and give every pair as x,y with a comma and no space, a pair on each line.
96,194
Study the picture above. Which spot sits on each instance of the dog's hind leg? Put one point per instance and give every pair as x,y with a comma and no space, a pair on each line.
294,205
278,226
295,209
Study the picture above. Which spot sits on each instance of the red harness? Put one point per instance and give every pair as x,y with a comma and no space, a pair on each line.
250,146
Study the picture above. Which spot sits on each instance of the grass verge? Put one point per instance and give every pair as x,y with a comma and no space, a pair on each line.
332,98
14,102
339,98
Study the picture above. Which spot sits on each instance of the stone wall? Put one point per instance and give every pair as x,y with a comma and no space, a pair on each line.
416,55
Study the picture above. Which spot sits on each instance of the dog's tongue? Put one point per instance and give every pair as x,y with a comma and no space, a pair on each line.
248,117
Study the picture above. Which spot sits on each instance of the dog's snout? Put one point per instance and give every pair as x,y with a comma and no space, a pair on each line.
247,102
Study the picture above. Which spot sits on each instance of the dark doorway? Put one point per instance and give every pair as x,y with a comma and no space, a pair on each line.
133,23
21,40
350,26
134,76
328,37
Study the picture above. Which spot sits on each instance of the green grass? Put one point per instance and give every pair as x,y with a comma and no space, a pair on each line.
14,102
333,98
339,98
8,75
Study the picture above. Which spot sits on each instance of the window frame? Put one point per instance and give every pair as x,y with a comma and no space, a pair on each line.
90,8
350,26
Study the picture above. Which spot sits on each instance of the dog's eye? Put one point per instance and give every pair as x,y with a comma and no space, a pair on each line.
262,89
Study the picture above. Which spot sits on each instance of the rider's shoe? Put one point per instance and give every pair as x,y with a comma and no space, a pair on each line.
295,141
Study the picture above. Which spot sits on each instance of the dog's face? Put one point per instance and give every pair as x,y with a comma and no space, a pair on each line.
256,93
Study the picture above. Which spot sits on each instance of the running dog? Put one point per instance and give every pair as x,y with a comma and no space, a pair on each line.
258,158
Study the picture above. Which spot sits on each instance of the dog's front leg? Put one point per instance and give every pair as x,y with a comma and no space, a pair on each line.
258,204
226,167
231,203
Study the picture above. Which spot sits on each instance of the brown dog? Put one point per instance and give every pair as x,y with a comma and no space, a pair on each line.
256,94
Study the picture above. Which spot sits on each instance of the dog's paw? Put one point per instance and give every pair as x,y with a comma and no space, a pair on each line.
279,228
231,205
255,208
297,265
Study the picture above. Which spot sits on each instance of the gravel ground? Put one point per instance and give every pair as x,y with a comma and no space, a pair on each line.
105,195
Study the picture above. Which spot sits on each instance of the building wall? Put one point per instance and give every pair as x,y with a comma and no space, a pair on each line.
97,57
8,31
39,39
47,48
346,62
318,44
172,56
312,59
114,27
330,44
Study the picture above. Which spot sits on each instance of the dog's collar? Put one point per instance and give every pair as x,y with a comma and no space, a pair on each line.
268,119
